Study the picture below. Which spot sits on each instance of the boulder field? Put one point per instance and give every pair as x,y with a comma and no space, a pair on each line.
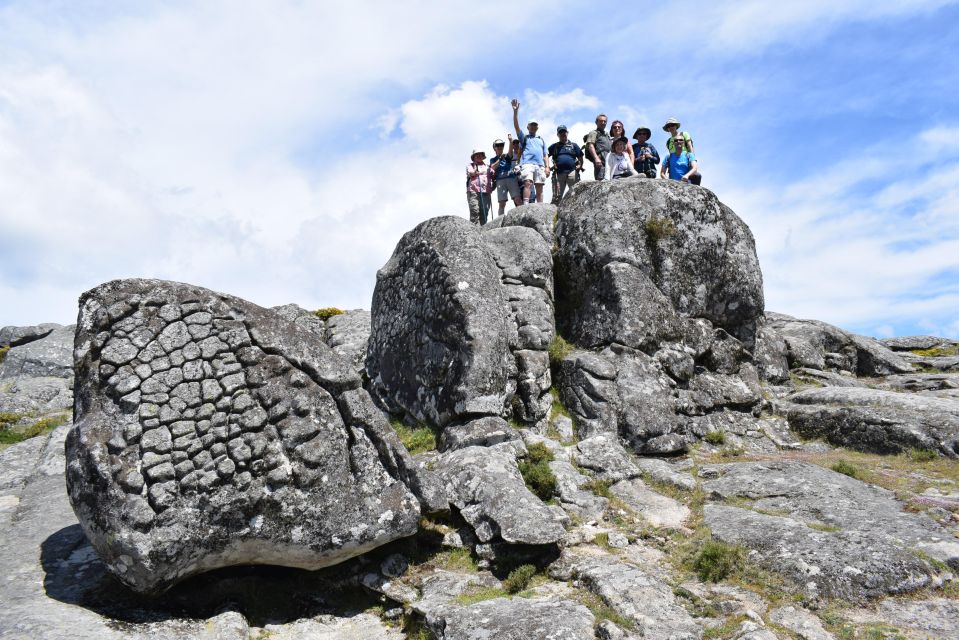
573,422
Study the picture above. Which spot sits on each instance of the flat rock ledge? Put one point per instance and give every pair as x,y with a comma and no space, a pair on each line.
211,432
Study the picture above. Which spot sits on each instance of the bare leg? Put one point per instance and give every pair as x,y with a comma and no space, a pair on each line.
527,187
539,191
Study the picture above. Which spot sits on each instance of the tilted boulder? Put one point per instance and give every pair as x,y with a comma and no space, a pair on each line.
462,319
439,346
212,432
620,240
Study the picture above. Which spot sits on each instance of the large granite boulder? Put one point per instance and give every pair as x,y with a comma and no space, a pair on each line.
439,346
876,420
462,319
641,250
212,432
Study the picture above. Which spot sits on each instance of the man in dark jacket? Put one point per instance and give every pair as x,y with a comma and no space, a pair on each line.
567,160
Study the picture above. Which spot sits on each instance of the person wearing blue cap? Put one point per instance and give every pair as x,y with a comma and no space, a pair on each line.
567,159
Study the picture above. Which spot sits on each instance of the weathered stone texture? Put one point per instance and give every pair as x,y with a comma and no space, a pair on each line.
211,432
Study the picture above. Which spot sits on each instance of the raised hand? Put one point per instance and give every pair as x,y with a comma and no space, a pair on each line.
515,104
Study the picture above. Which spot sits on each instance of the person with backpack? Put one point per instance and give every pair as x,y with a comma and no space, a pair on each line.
598,145
506,182
567,158
479,187
534,168
618,162
647,158
681,164
673,126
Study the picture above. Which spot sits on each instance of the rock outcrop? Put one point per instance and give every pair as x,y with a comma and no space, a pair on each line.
211,432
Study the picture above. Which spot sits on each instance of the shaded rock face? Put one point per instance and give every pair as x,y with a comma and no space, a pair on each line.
462,319
210,432
818,345
621,241
439,346
876,420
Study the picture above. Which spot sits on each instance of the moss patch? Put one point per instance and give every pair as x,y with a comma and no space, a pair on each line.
602,611
660,228
843,467
328,312
519,578
479,594
11,435
416,439
715,437
3,352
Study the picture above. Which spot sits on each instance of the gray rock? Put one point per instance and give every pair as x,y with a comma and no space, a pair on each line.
604,456
928,619
801,622
654,508
820,564
539,217
685,242
564,427
835,537
482,432
634,594
487,488
909,343
16,336
526,266
514,619
361,626
918,382
348,334
304,318
36,396
665,473
939,363
819,345
829,378
441,329
49,356
572,496
771,354
208,432
876,420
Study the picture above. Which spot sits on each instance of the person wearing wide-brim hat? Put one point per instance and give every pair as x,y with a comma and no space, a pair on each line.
479,185
647,157
672,127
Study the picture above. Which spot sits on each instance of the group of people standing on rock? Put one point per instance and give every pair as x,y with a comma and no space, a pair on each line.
519,173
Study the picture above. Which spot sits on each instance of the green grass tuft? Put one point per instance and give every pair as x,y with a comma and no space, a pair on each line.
718,560
3,352
923,455
843,467
416,439
519,578
328,312
536,472
715,437
558,349
10,435
827,528
599,487
473,596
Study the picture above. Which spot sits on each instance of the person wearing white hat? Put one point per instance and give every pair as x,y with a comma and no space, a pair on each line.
534,167
672,127
507,177
479,187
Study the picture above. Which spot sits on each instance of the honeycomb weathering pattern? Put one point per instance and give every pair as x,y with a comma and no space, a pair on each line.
211,432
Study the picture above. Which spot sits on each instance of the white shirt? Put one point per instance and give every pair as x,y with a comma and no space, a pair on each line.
618,164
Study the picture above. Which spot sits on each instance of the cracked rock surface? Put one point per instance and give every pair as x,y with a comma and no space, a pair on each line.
211,432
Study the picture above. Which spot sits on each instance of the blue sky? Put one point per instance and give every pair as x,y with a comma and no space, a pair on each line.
277,151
